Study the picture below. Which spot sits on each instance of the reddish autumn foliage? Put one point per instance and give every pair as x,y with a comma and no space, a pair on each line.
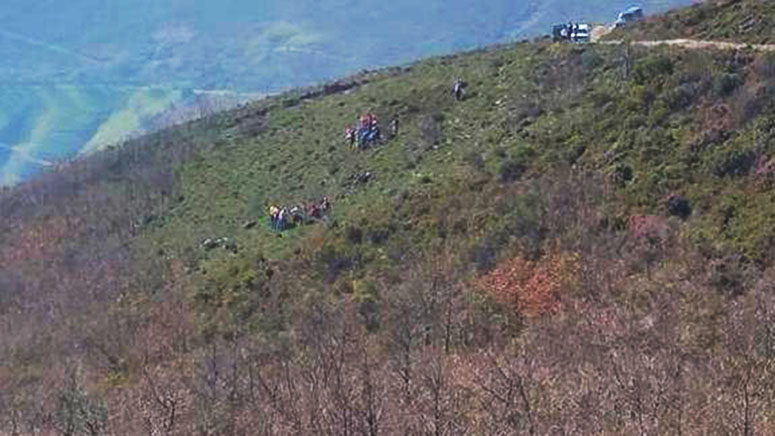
531,287
649,228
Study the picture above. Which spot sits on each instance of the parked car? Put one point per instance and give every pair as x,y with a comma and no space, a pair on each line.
560,33
580,33
571,32
630,15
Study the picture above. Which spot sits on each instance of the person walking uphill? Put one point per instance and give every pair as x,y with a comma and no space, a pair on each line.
350,135
457,89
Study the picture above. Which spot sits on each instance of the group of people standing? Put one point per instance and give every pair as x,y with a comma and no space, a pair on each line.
283,218
367,133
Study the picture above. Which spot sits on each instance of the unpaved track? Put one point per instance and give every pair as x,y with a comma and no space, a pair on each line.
697,44
599,32
702,44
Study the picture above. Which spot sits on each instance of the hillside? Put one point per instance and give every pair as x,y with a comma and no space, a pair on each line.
746,21
86,74
583,243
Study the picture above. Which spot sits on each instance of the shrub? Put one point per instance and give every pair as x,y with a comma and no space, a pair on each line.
484,255
511,170
651,68
765,66
475,160
621,174
379,235
523,222
354,235
524,111
532,287
681,96
764,339
256,206
590,60
735,163
77,412
679,206
726,84
337,258
366,295
233,290
574,153
730,275
430,128
600,98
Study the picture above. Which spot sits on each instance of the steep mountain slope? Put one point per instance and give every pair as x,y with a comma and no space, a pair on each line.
583,242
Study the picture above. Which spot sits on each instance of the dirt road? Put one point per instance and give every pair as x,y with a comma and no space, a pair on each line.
702,44
600,31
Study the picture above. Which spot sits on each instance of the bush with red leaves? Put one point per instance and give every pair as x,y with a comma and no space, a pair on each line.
531,287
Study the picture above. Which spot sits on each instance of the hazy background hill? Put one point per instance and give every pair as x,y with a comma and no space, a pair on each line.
80,75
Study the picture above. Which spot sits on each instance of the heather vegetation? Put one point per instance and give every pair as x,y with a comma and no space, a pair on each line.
581,245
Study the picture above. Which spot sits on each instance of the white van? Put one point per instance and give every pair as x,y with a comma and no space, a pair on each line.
581,33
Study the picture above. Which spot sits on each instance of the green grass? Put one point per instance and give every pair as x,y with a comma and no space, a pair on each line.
140,106
531,109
